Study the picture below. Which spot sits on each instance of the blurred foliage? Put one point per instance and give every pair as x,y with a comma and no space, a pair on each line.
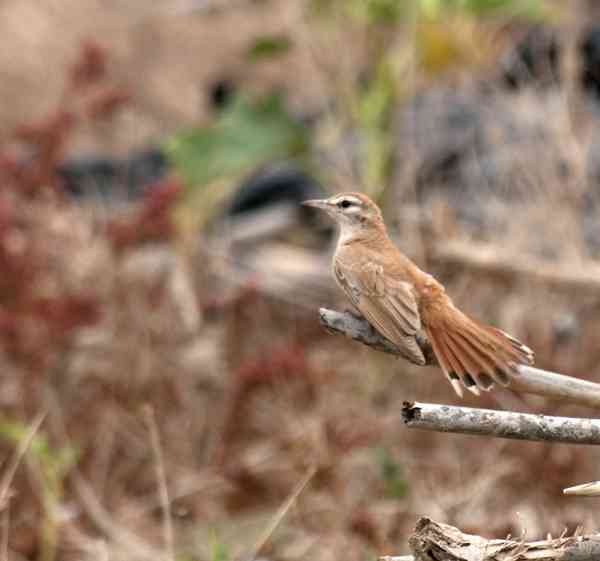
456,33
394,11
505,8
378,11
268,46
396,486
408,41
55,463
245,135
374,115
249,133
218,550
52,466
455,42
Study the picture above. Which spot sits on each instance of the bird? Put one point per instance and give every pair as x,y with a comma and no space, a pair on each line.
400,300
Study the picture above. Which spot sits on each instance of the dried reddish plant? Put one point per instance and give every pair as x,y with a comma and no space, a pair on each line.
89,68
32,322
106,102
151,220
50,252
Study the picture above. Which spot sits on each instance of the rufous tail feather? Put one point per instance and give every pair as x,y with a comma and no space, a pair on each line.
474,354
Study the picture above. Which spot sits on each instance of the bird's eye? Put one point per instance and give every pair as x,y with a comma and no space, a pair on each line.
345,203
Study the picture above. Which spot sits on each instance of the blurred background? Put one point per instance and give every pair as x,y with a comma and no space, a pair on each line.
166,390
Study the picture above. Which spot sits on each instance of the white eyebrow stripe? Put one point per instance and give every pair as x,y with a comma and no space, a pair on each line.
350,198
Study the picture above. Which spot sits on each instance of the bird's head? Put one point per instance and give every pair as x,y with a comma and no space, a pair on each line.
354,212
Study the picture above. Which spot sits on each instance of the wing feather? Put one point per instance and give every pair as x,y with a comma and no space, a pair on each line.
387,303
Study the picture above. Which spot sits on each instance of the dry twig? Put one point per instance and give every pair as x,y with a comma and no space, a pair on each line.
501,424
161,479
5,531
17,458
283,510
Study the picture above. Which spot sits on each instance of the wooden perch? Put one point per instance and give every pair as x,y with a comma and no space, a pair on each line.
591,489
433,541
530,380
501,424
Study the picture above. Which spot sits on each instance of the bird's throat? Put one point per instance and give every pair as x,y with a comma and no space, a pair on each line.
364,233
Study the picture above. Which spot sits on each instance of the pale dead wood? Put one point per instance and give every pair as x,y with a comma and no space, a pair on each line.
530,380
591,489
500,424
256,226
433,541
492,259
292,275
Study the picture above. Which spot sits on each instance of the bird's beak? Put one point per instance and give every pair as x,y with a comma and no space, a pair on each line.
317,203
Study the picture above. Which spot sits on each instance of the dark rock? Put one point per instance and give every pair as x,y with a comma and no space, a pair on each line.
143,169
277,183
112,178
89,176
220,93
589,49
533,61
486,154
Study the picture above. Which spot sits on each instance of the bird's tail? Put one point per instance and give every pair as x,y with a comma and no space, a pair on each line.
473,354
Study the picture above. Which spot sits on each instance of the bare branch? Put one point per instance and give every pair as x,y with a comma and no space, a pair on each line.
357,328
501,424
591,489
530,380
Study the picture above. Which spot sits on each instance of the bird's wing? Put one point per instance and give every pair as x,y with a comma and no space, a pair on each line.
387,303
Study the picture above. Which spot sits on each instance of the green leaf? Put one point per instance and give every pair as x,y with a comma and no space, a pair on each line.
392,474
57,461
268,46
378,11
374,113
391,11
218,550
434,9
245,135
